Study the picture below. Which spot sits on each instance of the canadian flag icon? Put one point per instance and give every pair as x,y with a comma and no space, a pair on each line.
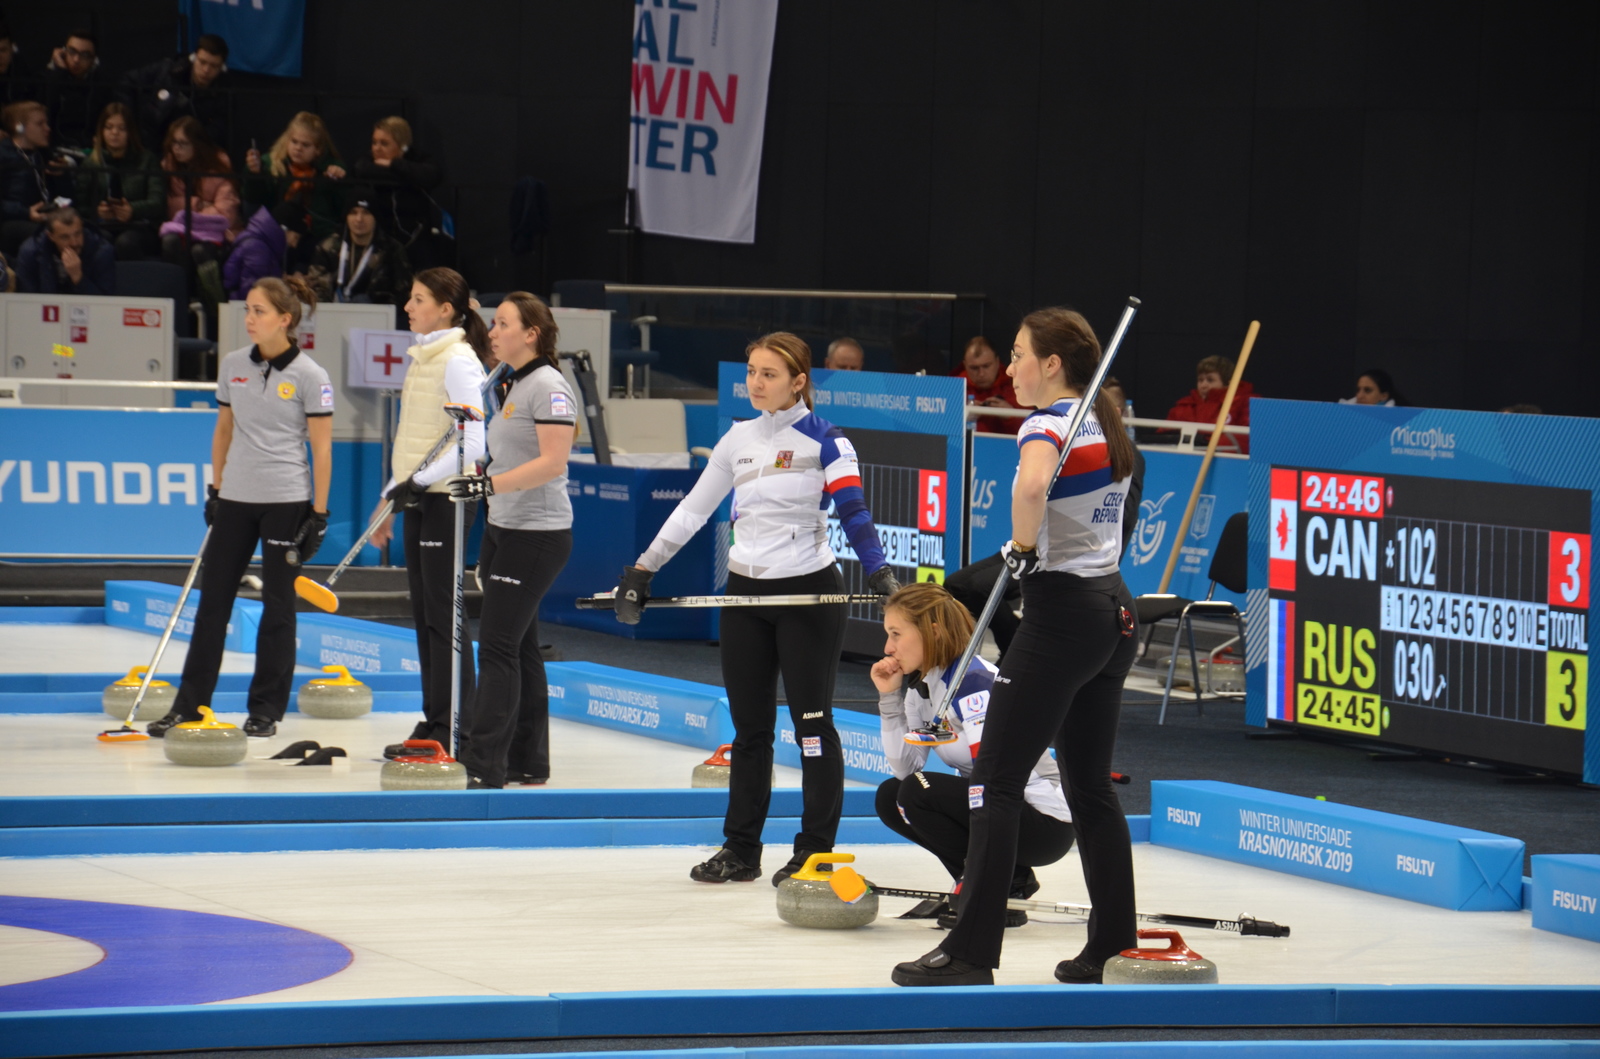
1282,530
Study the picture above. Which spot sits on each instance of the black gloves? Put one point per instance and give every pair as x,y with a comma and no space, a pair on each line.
470,487
212,499
308,538
1019,560
883,582
406,494
633,591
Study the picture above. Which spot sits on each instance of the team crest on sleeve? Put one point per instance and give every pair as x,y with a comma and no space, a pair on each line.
327,395
785,459
560,404
844,447
286,390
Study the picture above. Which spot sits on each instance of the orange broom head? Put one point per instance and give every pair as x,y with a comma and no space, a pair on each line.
319,596
848,885
122,735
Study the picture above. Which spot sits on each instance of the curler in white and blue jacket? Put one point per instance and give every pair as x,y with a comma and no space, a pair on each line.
785,470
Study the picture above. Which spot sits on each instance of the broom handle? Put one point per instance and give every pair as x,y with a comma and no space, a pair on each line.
1211,451
385,511
166,634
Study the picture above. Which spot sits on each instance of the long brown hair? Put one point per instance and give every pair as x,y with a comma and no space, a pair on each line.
449,288
535,313
135,144
207,155
1065,334
941,621
794,352
286,295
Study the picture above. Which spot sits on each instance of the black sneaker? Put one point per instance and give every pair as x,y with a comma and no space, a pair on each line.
478,783
157,729
524,779
1079,971
260,728
797,862
940,968
1025,885
724,866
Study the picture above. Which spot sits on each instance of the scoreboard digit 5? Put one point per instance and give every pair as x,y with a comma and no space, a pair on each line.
1432,613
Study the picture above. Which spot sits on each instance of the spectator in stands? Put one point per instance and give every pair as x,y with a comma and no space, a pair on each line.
1204,402
989,386
294,181
65,258
13,86
72,89
845,354
401,177
186,86
1375,386
30,179
198,166
258,250
362,263
119,186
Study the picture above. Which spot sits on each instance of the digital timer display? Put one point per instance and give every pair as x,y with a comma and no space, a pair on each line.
1433,613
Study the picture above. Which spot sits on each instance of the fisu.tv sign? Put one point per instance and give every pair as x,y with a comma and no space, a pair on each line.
123,482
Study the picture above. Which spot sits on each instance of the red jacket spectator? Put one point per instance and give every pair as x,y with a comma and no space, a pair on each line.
1205,401
988,383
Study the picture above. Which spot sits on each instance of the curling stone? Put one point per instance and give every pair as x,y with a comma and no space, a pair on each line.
205,742
807,899
713,771
118,697
428,769
1177,964
336,697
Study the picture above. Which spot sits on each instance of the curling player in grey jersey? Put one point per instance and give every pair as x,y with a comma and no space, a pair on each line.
785,468
506,734
271,400
1061,681
446,368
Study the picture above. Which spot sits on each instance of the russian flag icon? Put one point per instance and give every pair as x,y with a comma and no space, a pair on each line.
1283,529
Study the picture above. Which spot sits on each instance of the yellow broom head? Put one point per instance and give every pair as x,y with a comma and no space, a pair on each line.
319,596
848,885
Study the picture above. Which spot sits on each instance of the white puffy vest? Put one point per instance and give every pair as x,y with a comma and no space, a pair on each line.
422,400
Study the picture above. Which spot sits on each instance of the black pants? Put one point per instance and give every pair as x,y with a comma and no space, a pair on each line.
930,809
971,586
508,725
1061,682
234,533
803,643
430,534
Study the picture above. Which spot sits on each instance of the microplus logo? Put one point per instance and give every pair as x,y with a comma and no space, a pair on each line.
1433,443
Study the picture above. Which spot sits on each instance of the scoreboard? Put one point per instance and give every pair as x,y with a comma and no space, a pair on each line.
906,487
1430,612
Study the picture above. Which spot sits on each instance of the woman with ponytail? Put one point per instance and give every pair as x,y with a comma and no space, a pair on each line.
446,368
506,739
271,400
1061,681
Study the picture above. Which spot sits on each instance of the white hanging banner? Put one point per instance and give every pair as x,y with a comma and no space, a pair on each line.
700,70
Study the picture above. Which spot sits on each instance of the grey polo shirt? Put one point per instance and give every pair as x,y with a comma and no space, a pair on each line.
271,401
538,394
